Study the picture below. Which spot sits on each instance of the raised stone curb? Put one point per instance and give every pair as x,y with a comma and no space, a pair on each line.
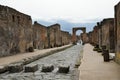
34,58
31,68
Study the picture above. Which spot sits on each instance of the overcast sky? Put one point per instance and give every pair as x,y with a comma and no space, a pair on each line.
70,10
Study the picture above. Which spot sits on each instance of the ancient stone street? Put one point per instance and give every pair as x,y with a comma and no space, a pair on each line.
68,57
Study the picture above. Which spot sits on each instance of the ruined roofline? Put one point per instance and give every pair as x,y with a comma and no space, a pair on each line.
79,27
108,19
104,21
54,25
7,8
36,23
90,32
117,4
65,32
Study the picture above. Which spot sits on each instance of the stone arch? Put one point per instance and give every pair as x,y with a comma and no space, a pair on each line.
74,30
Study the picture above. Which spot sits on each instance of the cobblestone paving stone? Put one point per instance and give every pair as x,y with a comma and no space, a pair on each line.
66,57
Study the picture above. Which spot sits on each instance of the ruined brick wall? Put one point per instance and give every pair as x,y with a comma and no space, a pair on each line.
40,40
54,35
100,36
84,37
95,35
15,31
66,37
90,37
108,34
117,31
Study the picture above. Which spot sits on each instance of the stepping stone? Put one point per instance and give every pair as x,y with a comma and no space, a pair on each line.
47,68
31,68
64,69
3,69
17,67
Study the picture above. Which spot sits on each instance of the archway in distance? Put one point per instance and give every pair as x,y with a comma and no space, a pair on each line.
74,30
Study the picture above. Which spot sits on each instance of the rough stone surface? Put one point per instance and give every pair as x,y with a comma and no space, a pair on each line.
15,31
117,31
107,26
84,37
95,35
66,37
64,68
31,68
67,57
103,35
15,67
18,35
3,69
54,36
40,40
47,68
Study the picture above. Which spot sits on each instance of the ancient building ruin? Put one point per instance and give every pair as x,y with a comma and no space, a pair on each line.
95,39
83,35
15,31
103,35
107,27
40,40
117,32
65,37
54,35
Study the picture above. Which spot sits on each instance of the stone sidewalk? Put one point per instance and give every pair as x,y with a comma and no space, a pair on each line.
94,68
19,57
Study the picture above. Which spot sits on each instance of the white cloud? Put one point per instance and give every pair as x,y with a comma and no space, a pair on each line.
71,10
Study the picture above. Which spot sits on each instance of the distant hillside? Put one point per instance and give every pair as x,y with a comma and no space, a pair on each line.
67,26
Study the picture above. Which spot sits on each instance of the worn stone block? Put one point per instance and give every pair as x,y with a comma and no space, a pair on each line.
64,69
106,55
47,68
31,49
17,67
31,68
3,69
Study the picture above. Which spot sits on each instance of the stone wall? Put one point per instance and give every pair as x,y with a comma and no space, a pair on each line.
95,35
84,37
117,31
90,37
103,34
66,37
15,31
18,35
40,40
100,35
54,35
108,34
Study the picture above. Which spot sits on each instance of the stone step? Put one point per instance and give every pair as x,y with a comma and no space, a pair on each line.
31,67
63,68
47,68
3,69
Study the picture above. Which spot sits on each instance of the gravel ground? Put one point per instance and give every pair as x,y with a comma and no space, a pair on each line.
68,57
